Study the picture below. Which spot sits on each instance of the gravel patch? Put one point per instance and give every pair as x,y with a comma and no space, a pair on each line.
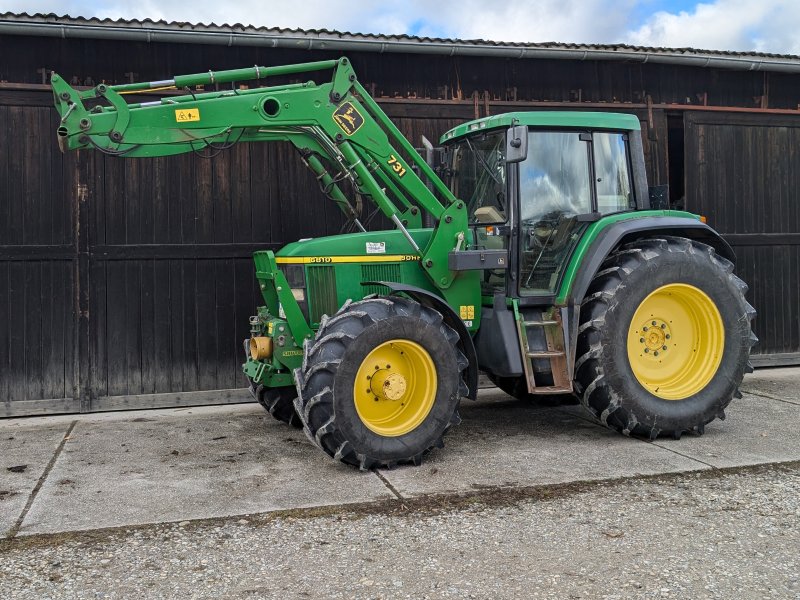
735,535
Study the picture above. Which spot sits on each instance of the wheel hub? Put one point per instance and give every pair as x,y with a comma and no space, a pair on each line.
656,337
388,385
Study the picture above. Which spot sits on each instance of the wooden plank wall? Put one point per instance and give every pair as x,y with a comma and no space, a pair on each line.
37,266
743,172
413,75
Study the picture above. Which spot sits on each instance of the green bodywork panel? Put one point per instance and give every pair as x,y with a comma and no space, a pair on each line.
344,262
561,119
334,269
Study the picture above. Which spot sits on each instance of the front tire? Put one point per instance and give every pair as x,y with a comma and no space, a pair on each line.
381,383
664,338
279,402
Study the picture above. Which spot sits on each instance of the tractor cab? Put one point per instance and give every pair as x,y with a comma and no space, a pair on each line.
534,182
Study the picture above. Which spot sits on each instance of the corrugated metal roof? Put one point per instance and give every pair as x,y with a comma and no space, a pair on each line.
321,35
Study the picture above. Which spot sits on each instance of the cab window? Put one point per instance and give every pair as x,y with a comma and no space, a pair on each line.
479,176
612,175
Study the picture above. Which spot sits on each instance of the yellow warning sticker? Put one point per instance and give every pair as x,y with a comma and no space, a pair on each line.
466,312
184,115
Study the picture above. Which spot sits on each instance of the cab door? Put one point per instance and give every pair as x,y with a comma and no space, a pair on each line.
568,180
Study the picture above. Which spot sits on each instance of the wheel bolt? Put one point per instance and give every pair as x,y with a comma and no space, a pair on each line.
663,347
388,366
655,353
641,340
646,350
663,326
654,323
667,336
644,328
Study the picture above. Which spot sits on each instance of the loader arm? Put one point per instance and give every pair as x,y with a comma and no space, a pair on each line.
339,129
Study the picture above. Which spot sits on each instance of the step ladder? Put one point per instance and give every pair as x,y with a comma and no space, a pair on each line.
556,353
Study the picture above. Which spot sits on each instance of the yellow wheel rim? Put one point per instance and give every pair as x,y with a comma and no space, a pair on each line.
395,387
675,341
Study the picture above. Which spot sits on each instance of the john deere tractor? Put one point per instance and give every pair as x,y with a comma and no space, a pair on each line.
525,248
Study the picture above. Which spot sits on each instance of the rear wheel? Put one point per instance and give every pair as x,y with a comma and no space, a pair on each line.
664,338
381,382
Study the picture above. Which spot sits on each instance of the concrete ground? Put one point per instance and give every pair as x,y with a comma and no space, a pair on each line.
78,473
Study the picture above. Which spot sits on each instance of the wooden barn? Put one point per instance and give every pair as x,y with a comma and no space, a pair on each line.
128,283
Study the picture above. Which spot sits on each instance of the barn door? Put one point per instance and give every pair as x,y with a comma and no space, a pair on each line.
741,172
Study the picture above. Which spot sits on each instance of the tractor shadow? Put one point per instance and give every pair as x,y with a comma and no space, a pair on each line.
504,442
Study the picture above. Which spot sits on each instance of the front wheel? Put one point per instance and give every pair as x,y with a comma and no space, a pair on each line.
664,338
381,382
279,402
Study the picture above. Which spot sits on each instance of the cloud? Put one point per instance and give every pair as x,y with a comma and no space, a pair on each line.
764,26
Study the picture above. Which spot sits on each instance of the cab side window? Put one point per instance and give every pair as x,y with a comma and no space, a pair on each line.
612,175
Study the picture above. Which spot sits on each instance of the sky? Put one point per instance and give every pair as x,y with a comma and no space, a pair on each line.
742,25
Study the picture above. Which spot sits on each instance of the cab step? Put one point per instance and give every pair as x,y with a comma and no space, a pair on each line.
545,354
552,389
555,351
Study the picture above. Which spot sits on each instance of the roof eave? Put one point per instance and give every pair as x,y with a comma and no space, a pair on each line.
334,41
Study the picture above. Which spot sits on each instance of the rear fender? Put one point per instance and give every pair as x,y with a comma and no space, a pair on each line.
623,232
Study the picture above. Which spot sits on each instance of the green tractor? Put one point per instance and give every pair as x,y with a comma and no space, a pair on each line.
529,251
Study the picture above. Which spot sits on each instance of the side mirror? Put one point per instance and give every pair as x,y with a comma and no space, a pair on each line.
517,144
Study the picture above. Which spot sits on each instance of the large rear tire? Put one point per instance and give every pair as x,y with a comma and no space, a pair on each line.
381,383
664,338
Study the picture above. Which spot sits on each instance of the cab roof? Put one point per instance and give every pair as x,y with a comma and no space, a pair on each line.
557,119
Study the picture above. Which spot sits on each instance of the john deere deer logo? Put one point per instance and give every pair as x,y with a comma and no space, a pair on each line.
348,118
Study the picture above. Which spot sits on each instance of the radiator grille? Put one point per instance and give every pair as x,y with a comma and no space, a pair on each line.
322,297
379,272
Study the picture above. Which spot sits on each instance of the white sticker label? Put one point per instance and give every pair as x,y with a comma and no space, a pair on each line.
376,247
281,314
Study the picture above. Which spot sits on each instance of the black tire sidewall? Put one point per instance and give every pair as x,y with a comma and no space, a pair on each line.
697,269
444,357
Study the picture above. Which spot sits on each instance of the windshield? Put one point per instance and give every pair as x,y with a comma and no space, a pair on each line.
479,176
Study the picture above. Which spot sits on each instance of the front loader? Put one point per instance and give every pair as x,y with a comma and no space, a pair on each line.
530,251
